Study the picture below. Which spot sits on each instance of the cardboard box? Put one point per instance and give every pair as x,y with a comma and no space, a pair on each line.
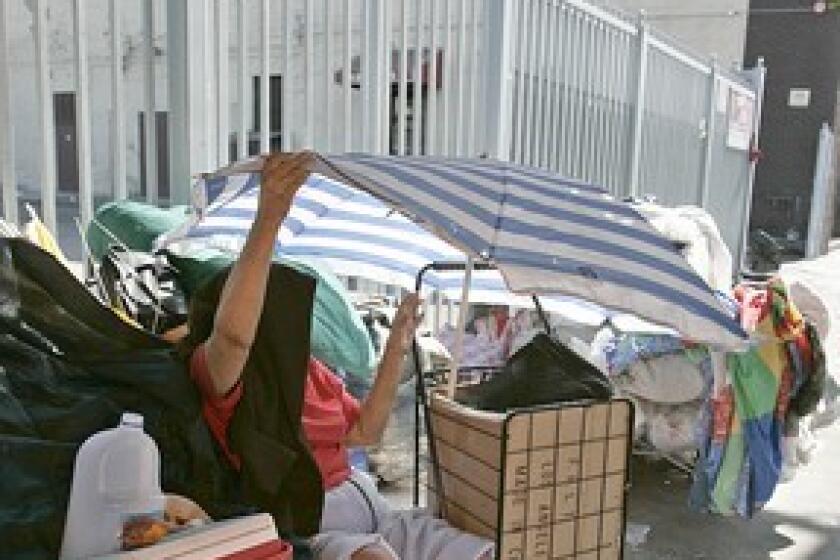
546,483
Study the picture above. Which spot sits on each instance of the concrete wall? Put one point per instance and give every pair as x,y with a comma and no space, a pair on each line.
801,50
709,28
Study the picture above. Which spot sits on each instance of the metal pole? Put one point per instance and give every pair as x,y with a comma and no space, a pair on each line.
309,37
417,97
500,31
83,145
222,82
7,126
822,201
46,122
639,114
759,81
447,76
265,79
286,97
326,145
403,90
118,99
149,117
431,88
242,87
708,152
347,75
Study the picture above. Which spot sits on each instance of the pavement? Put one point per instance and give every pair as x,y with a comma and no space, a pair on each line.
802,521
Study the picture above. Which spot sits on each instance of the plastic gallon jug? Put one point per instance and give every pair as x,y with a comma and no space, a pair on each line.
116,478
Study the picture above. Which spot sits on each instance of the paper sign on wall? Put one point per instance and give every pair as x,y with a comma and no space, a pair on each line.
740,127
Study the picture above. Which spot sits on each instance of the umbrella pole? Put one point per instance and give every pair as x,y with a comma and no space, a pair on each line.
457,355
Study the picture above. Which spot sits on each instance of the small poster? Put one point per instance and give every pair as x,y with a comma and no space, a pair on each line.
740,128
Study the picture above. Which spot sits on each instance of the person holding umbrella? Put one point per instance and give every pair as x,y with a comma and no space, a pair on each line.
356,522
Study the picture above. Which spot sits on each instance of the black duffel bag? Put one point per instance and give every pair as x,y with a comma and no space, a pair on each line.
144,287
544,371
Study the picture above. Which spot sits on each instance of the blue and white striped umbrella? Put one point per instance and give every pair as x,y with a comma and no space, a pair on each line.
353,234
546,234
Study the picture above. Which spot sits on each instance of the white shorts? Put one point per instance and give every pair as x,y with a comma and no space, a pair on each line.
357,516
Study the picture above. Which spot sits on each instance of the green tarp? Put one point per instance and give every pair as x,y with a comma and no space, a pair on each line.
339,338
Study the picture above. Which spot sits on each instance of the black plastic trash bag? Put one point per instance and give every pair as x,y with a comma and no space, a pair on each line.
68,368
544,371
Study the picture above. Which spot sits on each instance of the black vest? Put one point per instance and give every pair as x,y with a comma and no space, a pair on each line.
279,474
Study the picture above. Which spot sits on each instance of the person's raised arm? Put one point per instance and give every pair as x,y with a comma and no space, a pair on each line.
241,301
376,409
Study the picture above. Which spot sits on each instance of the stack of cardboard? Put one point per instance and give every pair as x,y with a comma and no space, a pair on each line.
544,483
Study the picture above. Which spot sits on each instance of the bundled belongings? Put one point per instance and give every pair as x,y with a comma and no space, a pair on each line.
544,371
70,367
144,288
741,455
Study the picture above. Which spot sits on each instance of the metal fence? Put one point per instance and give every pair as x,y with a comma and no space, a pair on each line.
558,84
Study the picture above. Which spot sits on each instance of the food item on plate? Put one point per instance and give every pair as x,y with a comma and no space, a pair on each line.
142,531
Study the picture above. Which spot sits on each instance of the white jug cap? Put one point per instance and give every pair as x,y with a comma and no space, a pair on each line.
132,419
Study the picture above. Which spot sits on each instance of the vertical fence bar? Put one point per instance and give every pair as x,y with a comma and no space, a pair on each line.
403,88
520,42
417,97
7,126
447,75
611,155
326,145
589,97
223,81
45,116
364,74
472,129
500,36
432,87
821,216
149,117
376,76
550,81
83,145
532,56
462,53
309,95
287,113
759,82
347,75
542,77
208,83
265,78
242,143
595,150
563,134
708,151
384,80
576,97
118,174
639,110
558,36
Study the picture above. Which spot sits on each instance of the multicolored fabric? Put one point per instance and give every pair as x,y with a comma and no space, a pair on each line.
741,458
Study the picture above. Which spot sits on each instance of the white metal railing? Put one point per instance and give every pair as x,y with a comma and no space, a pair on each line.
559,84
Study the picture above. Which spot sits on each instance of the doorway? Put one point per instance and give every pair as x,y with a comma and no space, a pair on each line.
66,154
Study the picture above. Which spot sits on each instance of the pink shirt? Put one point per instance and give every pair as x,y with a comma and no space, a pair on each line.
329,413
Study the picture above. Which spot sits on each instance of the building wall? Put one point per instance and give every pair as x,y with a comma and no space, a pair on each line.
801,50
709,28
62,75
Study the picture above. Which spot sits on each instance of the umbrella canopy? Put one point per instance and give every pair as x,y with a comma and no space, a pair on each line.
354,234
546,234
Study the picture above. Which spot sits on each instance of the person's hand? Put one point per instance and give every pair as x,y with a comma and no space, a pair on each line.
405,322
282,177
